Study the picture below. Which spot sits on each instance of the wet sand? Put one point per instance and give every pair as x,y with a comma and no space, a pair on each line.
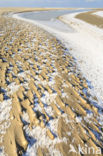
43,95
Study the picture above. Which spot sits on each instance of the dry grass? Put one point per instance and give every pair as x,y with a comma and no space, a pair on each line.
92,19
41,58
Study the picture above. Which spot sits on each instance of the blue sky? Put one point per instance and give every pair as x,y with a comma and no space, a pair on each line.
51,3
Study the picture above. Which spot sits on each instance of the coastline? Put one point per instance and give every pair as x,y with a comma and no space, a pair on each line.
70,41
45,98
90,34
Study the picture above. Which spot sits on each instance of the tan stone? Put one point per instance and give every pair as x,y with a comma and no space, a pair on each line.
39,152
17,81
21,88
21,79
95,109
56,109
59,102
70,112
30,95
1,97
44,112
40,77
20,95
32,115
41,104
50,135
49,89
42,124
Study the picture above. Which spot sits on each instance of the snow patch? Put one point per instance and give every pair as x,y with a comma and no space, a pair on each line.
43,142
98,13
13,87
85,44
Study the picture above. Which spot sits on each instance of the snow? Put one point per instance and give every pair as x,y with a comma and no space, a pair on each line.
2,153
98,13
88,49
4,113
5,108
44,141
13,87
78,119
85,44
35,139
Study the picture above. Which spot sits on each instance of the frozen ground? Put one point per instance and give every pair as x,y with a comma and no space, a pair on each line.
85,44
99,13
87,47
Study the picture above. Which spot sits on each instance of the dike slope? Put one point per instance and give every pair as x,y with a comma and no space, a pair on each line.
44,106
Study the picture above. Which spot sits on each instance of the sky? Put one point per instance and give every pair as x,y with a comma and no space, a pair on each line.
52,3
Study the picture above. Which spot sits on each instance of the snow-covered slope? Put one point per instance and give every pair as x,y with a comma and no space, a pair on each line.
87,47
85,44
98,13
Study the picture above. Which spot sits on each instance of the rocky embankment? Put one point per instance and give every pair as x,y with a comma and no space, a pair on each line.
44,105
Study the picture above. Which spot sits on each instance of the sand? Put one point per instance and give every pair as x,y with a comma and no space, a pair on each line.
44,102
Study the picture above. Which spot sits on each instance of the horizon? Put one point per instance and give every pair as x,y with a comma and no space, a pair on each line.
53,3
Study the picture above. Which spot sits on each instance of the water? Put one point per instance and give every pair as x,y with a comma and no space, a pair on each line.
49,18
49,22
46,15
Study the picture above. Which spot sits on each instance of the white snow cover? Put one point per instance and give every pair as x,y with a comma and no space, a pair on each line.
85,43
87,46
98,13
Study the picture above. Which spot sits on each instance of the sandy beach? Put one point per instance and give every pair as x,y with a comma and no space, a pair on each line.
45,106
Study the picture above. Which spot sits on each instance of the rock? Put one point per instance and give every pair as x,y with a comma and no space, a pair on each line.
17,81
30,96
59,102
70,112
95,109
19,136
55,108
50,135
21,79
42,124
20,95
48,89
1,97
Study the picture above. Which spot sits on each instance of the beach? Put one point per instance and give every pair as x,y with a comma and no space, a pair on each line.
46,107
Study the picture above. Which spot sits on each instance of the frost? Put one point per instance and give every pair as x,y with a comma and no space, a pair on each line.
98,13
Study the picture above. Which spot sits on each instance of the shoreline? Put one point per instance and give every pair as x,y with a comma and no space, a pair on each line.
66,41
47,92
95,32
